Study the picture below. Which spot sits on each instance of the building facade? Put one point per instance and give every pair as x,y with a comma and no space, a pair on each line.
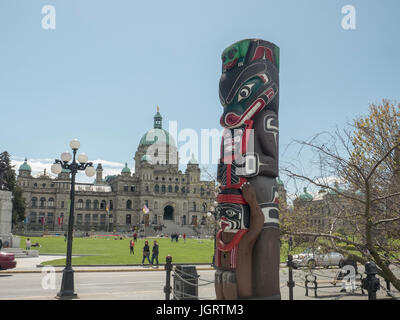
157,191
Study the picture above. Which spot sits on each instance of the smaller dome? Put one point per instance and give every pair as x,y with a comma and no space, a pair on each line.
279,181
126,169
65,170
25,166
147,158
193,160
360,194
306,196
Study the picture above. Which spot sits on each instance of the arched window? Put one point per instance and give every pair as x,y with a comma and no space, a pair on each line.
34,202
156,188
163,189
42,202
129,204
103,204
128,219
50,202
176,189
95,204
204,207
169,188
88,204
79,205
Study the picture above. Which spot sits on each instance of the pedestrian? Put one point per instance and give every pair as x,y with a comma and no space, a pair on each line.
146,252
290,243
155,253
134,236
184,237
28,244
131,247
176,237
65,236
1,244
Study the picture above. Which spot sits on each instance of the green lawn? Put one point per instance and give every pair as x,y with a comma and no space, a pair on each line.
105,251
110,251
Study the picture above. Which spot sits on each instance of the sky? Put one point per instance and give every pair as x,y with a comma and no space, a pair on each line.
99,75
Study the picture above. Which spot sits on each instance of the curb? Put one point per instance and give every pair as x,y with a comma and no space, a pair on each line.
96,270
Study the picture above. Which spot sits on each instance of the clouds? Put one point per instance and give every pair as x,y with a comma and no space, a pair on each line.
39,165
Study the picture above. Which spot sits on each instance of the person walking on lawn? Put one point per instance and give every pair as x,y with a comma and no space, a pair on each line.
155,253
131,247
146,252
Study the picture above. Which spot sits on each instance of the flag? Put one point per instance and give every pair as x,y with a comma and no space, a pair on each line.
145,209
42,220
60,220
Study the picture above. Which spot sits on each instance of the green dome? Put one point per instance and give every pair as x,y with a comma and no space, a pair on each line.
65,170
156,135
279,181
336,185
146,157
25,166
306,196
126,169
360,194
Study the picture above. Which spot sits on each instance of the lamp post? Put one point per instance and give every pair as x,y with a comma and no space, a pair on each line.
67,284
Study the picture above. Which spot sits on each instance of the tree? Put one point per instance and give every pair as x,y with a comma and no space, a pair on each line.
365,159
18,211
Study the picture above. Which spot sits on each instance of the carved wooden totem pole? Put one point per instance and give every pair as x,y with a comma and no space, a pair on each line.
247,244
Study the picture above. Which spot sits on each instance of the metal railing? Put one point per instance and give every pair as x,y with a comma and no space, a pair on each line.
185,282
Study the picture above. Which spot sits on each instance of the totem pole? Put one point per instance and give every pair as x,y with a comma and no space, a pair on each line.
247,243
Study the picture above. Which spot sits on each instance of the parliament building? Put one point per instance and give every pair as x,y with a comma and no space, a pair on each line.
155,194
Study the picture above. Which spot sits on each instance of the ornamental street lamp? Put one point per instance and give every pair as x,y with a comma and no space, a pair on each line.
67,284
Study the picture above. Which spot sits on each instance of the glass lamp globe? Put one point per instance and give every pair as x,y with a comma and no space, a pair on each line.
208,214
66,156
82,158
56,168
75,144
90,171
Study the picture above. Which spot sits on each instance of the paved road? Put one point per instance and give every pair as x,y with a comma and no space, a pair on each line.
138,283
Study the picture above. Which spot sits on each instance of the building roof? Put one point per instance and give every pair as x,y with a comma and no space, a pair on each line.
25,166
126,169
306,196
157,134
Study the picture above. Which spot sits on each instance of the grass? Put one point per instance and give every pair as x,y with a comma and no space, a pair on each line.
106,251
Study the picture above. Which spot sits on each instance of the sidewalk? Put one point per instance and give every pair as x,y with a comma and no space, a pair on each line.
33,265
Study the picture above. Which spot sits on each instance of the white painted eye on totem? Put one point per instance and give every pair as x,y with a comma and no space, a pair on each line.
230,213
245,91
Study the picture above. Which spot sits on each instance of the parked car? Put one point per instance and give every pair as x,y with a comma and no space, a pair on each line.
314,258
7,261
